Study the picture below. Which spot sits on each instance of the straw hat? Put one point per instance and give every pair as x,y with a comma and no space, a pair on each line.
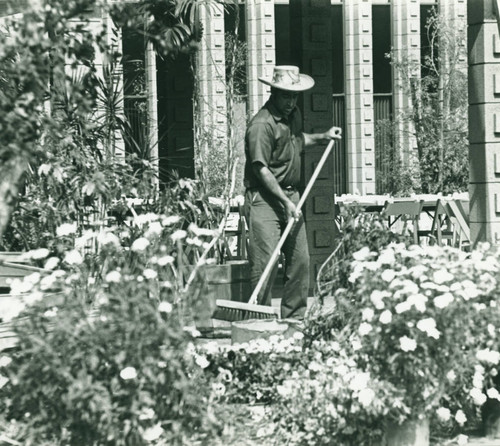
287,77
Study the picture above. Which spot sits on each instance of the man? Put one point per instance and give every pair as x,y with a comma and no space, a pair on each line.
274,141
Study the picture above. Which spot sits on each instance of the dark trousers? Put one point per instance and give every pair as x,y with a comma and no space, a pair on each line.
266,221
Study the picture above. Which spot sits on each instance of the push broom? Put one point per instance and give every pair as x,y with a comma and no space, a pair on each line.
228,310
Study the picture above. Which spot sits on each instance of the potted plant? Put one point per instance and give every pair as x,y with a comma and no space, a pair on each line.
424,320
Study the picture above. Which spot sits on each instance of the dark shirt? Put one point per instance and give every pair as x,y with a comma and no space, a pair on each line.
276,142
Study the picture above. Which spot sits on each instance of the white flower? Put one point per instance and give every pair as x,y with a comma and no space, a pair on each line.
147,414
155,229
385,317
364,328
478,380
5,361
142,219
171,220
286,389
202,361
178,235
491,330
73,258
460,417
387,257
201,232
298,335
165,307
51,263
128,373
490,356
150,274
66,229
362,254
356,345
377,298
491,392
218,388
443,413
477,396
314,366
367,314
366,396
38,254
152,433
359,381
428,326
462,439
388,275
51,313
108,238
140,244
113,277
470,290
443,300
451,375
192,331
407,344
18,286
403,307
442,276
165,260
418,300
3,380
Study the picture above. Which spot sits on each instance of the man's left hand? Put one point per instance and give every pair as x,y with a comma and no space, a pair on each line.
334,133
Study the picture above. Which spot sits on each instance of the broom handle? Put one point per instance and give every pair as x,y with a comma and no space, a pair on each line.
291,222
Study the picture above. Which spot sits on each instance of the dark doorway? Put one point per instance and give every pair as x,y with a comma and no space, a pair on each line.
175,118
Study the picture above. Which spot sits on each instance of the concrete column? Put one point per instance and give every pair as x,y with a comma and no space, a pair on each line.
261,50
406,46
359,97
152,103
484,121
211,73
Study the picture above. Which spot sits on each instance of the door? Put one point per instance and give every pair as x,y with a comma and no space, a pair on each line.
175,118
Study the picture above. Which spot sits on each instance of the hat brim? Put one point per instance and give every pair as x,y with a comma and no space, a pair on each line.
306,82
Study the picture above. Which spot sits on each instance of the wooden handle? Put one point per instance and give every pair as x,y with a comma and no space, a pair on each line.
291,222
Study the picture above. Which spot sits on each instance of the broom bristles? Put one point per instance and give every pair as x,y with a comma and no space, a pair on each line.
228,310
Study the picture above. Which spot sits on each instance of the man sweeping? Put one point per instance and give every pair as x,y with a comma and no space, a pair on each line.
274,142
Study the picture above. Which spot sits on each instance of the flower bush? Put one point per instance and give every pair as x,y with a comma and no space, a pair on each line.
426,321
105,362
250,372
314,393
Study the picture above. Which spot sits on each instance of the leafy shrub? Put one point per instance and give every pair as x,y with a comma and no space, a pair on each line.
425,320
315,394
358,229
107,364
249,373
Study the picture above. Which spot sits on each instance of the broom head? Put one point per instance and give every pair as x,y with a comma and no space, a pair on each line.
228,310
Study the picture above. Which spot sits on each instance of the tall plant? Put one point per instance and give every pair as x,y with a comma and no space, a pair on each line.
437,117
220,147
34,62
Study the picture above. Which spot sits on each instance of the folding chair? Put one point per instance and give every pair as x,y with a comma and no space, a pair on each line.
401,212
235,238
462,229
450,224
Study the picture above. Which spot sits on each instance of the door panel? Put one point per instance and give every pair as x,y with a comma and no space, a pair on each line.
175,117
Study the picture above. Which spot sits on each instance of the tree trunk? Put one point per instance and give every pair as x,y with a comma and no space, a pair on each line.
11,174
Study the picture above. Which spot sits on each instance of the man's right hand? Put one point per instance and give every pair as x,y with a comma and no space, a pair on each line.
291,211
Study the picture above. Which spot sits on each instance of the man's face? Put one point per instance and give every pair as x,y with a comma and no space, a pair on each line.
285,101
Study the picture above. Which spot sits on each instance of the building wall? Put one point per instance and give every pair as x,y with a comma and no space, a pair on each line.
362,159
